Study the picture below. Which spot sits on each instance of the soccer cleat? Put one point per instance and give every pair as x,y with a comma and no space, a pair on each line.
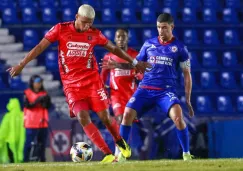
121,158
124,148
110,158
187,157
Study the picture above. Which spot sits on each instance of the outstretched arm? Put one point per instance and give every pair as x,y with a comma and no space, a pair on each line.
138,65
36,51
118,52
111,64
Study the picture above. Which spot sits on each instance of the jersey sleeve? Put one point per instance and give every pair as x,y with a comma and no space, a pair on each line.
102,40
184,54
142,55
53,34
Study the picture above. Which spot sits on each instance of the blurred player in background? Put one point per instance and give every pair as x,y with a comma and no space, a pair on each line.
165,53
122,81
78,68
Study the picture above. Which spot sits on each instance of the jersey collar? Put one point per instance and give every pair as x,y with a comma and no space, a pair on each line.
173,38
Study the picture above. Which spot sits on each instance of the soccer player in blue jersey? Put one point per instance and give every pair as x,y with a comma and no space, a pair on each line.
166,54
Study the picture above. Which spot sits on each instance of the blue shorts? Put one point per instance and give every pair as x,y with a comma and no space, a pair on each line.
145,99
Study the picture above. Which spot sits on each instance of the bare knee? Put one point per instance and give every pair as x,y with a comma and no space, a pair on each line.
177,117
83,118
128,116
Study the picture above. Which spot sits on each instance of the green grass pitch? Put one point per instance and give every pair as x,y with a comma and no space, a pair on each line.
155,165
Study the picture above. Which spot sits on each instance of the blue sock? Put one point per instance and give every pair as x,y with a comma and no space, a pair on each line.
125,132
184,139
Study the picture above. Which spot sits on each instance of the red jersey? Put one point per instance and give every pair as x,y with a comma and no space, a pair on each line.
77,63
122,81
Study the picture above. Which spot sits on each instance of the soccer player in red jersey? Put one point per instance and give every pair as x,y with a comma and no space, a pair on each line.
122,81
78,68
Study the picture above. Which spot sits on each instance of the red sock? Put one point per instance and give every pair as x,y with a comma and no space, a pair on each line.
114,129
95,136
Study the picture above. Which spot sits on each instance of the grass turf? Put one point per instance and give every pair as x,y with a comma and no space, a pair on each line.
155,165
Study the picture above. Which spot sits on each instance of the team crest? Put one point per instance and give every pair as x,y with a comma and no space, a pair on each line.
132,100
89,37
174,49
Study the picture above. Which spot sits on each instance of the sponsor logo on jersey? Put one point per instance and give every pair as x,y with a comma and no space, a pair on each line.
161,60
174,49
78,49
89,37
119,72
81,53
78,45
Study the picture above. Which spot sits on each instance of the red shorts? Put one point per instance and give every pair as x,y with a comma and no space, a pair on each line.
118,104
87,98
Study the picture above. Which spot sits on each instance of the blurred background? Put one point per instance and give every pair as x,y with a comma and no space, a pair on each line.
212,31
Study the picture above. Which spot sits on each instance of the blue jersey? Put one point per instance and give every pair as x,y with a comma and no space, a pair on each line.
165,60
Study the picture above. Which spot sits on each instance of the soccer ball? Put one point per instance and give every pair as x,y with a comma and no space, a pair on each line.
81,151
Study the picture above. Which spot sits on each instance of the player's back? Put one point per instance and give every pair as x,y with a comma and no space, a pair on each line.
165,59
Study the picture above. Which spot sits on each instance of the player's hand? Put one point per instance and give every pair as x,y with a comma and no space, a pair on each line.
14,71
108,64
141,66
190,108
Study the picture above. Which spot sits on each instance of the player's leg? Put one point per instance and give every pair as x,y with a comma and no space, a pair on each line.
176,115
81,110
137,102
118,106
169,103
99,103
113,128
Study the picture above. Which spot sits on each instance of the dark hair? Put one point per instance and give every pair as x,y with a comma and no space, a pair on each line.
165,17
124,29
32,78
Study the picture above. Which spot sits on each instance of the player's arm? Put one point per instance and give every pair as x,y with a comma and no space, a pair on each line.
187,83
119,52
185,66
36,51
110,63
139,65
104,72
50,37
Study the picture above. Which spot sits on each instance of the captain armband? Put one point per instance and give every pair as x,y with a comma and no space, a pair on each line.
185,64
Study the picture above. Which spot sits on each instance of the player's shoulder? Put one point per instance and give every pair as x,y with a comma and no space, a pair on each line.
151,42
94,30
66,24
179,43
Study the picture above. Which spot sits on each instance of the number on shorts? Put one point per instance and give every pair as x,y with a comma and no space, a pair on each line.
102,94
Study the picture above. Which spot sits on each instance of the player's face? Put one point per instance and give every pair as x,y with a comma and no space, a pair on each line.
83,23
165,30
121,38
37,86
